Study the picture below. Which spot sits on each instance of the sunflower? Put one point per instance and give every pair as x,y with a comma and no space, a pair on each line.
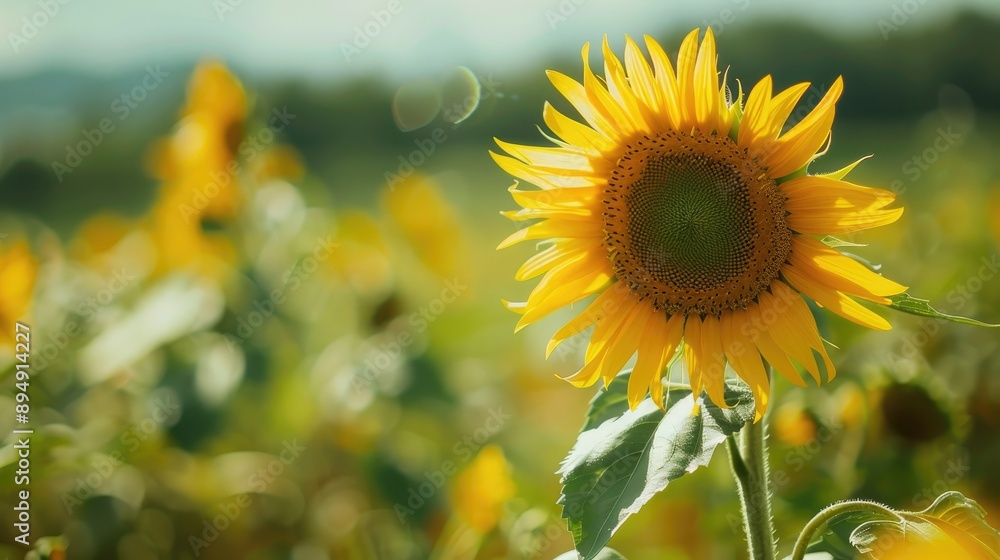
694,222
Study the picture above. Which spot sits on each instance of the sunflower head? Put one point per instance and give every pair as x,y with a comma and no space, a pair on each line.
692,218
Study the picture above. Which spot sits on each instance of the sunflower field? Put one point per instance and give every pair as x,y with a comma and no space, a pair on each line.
564,280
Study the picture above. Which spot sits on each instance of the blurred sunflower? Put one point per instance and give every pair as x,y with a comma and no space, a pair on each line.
482,489
362,257
690,218
419,210
18,271
201,195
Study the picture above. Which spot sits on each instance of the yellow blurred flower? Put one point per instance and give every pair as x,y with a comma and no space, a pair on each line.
98,235
937,550
794,425
994,217
213,90
953,527
280,162
201,194
482,489
418,208
361,257
18,269
192,242
851,406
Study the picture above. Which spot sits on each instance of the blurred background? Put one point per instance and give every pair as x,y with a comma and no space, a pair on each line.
255,246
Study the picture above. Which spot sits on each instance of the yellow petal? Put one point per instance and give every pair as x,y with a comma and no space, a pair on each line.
671,340
552,295
652,340
743,356
626,342
687,59
692,352
576,94
786,335
640,77
601,100
621,92
608,303
758,333
821,205
835,301
555,229
803,321
755,114
713,360
666,81
549,199
539,177
606,331
798,146
558,160
815,259
575,133
706,84
559,253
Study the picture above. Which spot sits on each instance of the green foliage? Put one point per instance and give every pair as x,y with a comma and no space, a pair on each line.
619,463
953,524
952,519
916,306
604,554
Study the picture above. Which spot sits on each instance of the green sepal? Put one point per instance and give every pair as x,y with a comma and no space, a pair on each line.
915,306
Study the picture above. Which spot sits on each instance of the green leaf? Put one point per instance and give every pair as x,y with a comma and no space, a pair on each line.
843,171
609,402
604,554
617,466
916,306
835,540
953,525
831,241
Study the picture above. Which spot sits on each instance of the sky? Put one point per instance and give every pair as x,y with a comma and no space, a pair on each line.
329,40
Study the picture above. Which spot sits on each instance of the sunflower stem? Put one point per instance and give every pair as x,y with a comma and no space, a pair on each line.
748,456
826,515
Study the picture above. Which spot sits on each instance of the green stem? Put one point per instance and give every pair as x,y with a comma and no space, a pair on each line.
748,454
825,515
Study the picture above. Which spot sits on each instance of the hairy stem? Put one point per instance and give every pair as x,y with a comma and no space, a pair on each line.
830,512
748,454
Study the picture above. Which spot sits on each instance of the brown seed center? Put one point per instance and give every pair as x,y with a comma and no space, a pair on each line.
694,224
